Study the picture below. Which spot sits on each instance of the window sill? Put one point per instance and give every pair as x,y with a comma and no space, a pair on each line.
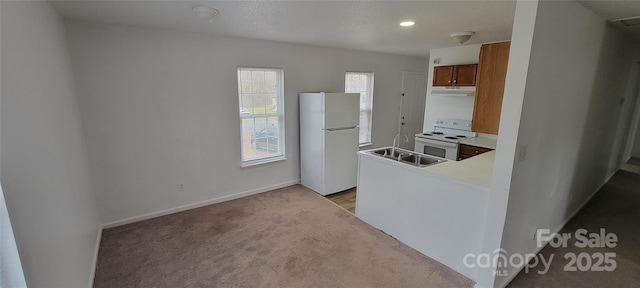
366,144
255,162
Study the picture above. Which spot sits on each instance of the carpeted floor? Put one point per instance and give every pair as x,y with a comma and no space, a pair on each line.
291,237
616,208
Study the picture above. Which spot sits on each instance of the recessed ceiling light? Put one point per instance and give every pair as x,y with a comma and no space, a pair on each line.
407,23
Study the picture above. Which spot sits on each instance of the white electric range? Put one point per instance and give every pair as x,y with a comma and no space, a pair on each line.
443,141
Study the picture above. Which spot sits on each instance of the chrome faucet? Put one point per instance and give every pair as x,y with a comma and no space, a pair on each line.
397,138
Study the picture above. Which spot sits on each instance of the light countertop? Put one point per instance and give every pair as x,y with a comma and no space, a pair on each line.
483,142
476,170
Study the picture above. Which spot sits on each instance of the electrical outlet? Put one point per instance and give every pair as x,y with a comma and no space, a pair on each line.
523,154
180,187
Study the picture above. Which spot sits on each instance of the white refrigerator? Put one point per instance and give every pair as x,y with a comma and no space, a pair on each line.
329,141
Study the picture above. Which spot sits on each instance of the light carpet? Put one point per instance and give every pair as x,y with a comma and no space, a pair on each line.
290,237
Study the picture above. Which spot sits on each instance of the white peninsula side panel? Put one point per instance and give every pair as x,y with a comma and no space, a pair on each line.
439,217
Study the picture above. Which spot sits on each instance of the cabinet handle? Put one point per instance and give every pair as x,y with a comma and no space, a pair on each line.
455,81
477,152
449,81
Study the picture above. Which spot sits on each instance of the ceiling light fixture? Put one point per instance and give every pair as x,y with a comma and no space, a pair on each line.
206,12
407,23
462,37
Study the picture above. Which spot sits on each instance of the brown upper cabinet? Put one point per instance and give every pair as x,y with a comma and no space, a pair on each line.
492,72
455,75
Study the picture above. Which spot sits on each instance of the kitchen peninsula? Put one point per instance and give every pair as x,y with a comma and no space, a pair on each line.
437,210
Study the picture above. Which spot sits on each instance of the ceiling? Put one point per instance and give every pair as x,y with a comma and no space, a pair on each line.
359,25
616,9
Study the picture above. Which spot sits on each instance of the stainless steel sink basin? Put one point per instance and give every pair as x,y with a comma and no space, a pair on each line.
421,160
406,157
387,152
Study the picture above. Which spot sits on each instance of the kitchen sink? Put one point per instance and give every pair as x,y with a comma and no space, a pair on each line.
387,152
407,157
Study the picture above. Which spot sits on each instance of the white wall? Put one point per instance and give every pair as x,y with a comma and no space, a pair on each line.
44,168
632,128
160,108
515,83
625,133
577,72
449,106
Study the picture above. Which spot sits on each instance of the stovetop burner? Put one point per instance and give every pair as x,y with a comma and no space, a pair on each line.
448,130
433,133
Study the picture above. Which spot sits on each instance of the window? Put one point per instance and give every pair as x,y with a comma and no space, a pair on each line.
261,98
360,82
11,274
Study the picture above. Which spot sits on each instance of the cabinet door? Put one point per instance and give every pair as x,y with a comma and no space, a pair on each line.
442,75
468,151
465,75
492,71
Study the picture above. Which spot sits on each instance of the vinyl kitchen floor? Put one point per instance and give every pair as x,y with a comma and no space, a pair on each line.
345,199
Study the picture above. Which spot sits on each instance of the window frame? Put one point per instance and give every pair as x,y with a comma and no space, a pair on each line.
370,75
281,156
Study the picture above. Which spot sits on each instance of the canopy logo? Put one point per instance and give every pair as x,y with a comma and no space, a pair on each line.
499,260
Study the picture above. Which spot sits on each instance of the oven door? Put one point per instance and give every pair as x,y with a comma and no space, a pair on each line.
437,148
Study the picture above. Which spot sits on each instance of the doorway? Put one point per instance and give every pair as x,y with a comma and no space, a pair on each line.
414,95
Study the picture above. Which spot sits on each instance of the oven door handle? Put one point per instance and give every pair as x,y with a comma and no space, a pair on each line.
436,143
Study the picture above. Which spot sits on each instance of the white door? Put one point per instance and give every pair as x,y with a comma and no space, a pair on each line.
341,110
414,95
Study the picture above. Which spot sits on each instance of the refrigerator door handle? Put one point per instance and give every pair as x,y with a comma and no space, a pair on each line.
339,129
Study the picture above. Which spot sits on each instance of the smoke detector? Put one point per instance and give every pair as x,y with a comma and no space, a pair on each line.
462,37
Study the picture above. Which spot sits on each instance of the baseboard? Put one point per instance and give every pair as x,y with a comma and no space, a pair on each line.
557,229
630,168
199,204
94,265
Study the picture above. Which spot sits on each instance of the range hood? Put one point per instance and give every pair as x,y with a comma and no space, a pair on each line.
453,91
